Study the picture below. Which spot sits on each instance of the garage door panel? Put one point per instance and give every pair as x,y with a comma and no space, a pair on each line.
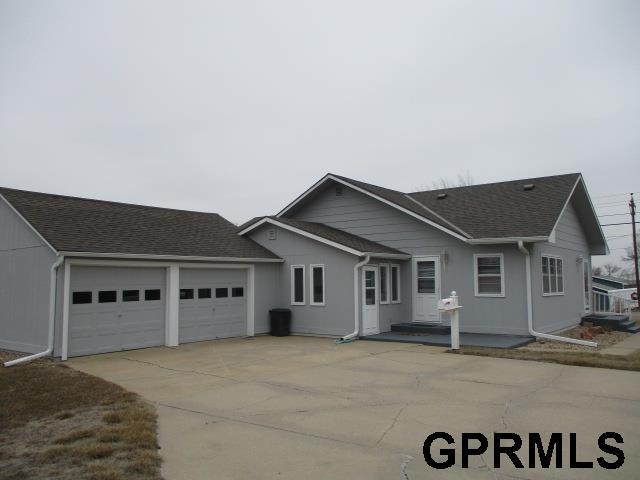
219,316
116,325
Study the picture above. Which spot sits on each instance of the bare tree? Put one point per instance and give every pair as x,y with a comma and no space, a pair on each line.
463,180
628,254
610,269
597,271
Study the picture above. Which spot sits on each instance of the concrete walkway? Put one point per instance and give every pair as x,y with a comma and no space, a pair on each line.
306,408
625,347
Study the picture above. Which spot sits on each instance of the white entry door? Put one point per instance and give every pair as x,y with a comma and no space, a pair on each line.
370,301
426,289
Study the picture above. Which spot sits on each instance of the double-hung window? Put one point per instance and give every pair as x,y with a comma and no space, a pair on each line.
395,284
489,274
317,285
297,285
552,276
384,283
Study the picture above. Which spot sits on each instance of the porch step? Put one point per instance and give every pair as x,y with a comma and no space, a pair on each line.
421,328
620,323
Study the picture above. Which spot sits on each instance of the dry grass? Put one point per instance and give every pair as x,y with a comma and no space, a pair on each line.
579,358
64,424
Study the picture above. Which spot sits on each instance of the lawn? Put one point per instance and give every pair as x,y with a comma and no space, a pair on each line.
58,423
579,358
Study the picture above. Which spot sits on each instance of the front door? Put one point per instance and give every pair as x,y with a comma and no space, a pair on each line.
426,289
370,301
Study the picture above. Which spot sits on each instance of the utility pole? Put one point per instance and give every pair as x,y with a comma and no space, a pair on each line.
632,208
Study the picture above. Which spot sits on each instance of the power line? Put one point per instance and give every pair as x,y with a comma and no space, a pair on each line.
611,224
613,215
614,195
611,204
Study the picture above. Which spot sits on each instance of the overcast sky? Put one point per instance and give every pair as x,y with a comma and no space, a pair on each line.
236,107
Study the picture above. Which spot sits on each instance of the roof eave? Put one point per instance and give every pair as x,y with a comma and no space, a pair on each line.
485,241
146,256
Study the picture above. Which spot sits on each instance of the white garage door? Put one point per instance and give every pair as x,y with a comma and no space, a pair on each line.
114,308
213,304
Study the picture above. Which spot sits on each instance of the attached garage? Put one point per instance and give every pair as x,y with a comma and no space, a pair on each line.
213,304
122,276
115,308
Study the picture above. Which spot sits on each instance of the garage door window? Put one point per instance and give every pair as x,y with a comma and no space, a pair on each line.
107,296
204,293
152,294
131,295
237,292
80,298
186,293
222,292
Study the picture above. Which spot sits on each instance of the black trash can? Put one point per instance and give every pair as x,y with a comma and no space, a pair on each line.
280,322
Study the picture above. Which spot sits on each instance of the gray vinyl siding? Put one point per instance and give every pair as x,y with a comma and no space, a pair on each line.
551,313
361,215
267,294
336,317
25,263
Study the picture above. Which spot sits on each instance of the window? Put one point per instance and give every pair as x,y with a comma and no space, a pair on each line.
297,284
204,293
369,287
80,298
130,295
552,276
152,294
395,284
222,292
186,293
317,284
426,276
489,275
237,292
107,296
384,283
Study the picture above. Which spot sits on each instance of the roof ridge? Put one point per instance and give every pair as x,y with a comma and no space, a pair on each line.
110,202
496,183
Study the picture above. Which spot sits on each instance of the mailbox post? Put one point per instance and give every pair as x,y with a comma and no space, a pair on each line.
451,307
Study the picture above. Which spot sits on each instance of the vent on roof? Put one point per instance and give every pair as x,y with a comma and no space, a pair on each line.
271,234
441,196
339,191
528,186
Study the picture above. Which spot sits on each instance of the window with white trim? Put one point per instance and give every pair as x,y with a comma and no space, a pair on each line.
297,285
552,275
395,284
317,284
384,283
489,275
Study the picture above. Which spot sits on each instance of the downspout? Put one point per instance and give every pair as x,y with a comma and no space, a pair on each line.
52,317
532,332
356,312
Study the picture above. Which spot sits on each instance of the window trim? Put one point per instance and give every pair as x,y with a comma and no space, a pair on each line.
386,266
396,267
550,293
502,293
311,286
304,287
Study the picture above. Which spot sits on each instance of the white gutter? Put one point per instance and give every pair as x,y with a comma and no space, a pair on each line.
532,332
52,317
356,289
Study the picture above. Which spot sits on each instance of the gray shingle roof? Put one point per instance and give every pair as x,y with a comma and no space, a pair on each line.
74,224
333,234
505,209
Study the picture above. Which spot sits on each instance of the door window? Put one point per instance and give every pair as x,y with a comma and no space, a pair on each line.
370,287
427,276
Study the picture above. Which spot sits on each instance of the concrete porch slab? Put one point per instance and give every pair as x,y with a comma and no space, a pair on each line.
466,339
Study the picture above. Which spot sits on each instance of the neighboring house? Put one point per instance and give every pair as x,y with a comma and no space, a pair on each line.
605,284
345,257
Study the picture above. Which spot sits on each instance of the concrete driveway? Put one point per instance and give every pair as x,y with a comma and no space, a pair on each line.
306,408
